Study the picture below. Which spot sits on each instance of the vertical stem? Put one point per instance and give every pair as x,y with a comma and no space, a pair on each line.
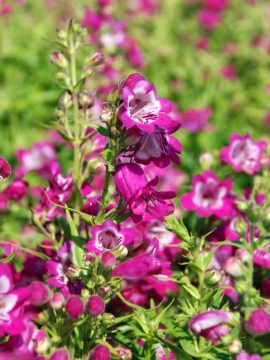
77,142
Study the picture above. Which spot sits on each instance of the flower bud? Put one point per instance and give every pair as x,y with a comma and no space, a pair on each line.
41,318
60,354
240,226
40,293
120,251
113,96
5,168
108,319
124,353
232,267
42,345
61,34
74,307
57,301
95,305
243,255
108,259
60,76
206,160
74,271
133,136
99,352
66,100
86,99
95,60
235,346
258,322
106,115
59,60
212,277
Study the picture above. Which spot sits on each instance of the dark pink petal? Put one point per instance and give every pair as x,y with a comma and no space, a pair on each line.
5,169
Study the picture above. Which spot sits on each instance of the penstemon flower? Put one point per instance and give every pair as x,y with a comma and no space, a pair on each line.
141,107
209,196
246,155
132,185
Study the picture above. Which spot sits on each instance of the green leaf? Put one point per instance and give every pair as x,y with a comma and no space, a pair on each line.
10,257
133,306
189,348
103,131
77,246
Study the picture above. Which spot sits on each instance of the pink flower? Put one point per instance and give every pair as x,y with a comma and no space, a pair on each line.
158,147
60,354
209,19
132,185
108,236
212,324
258,323
218,5
261,257
243,154
243,355
194,120
74,307
5,168
209,196
95,305
100,352
39,158
142,265
141,107
228,72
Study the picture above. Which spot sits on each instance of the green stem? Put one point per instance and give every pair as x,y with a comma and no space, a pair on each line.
104,197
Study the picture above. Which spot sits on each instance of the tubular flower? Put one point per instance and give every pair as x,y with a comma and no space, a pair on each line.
243,154
209,196
132,185
108,237
142,265
141,107
212,324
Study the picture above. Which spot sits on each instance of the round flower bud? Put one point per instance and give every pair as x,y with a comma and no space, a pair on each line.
40,293
232,267
74,307
107,260
258,322
212,277
86,99
243,255
99,352
59,60
57,301
105,290
60,354
108,319
206,160
235,346
66,100
95,305
94,60
106,115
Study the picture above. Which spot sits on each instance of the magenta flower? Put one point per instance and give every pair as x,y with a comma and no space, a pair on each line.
132,185
100,352
158,147
258,322
60,354
194,120
243,355
141,107
244,155
209,196
11,301
108,236
59,268
39,158
261,257
212,324
74,307
218,5
142,265
209,19
95,305
5,168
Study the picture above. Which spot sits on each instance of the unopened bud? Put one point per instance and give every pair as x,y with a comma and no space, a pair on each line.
74,271
240,226
108,259
243,255
133,136
99,352
66,100
40,293
86,99
41,318
212,277
89,257
124,353
105,290
61,353
95,60
59,60
57,301
206,160
61,34
108,319
60,76
95,305
120,251
42,345
235,346
106,115
232,266
241,205
74,307
113,96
